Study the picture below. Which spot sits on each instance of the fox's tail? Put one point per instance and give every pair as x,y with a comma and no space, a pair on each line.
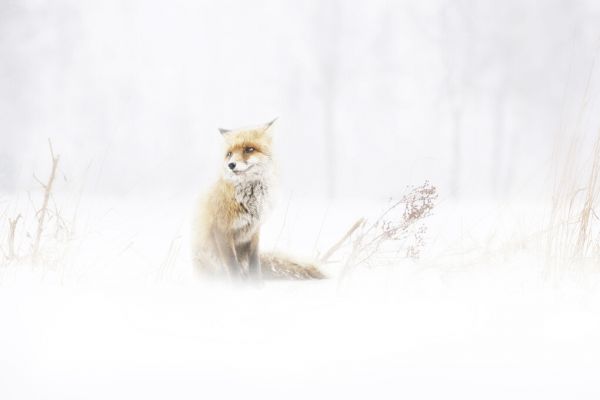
275,266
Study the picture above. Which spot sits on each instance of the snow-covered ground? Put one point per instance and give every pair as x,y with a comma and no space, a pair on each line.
121,315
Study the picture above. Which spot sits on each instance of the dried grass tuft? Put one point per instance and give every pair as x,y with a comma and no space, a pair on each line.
399,230
31,227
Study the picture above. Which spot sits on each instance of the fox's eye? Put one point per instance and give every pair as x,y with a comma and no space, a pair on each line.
228,154
249,149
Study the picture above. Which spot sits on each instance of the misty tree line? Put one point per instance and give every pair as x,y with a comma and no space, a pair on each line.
468,94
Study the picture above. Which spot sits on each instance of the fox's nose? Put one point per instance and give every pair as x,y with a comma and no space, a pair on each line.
231,165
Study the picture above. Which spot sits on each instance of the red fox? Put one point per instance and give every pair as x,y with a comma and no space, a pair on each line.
227,228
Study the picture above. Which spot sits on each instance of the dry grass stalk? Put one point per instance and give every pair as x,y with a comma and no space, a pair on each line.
592,192
43,211
333,249
573,231
12,223
366,240
166,267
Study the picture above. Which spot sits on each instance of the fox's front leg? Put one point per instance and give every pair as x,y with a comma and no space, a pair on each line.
228,255
254,267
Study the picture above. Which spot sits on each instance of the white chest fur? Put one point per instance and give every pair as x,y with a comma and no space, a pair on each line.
253,197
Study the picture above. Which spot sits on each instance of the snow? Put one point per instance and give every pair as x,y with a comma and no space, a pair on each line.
473,318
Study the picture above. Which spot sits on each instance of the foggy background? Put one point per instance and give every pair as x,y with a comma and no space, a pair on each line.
494,102
371,96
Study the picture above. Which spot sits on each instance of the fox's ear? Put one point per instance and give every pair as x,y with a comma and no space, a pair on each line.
269,125
224,131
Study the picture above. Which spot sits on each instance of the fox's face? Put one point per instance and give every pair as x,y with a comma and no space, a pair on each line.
247,153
